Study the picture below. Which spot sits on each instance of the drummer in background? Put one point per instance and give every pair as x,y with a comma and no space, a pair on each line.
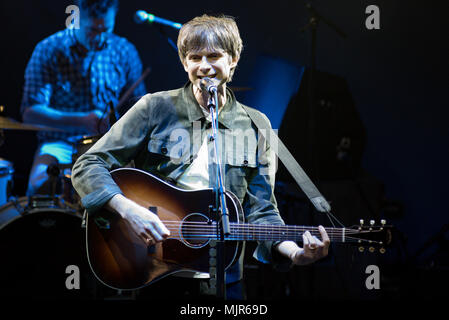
71,80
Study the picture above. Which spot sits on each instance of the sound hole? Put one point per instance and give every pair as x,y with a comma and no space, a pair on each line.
196,231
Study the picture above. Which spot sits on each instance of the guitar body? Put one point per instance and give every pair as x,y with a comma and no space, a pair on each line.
120,259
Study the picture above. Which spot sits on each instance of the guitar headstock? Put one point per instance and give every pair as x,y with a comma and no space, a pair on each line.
370,235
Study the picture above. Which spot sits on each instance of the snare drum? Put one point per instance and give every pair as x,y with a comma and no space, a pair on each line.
6,174
38,243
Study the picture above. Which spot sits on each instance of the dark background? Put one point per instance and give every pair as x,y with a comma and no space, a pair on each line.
397,79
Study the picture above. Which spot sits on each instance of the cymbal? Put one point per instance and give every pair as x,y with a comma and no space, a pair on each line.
8,123
237,89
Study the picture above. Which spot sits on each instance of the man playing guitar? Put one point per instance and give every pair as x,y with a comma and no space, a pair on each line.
167,134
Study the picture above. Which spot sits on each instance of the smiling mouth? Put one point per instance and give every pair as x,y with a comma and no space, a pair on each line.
211,76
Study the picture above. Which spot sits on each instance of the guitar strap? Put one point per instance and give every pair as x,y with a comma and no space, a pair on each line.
289,161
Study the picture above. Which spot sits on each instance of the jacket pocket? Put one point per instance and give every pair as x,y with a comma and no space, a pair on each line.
175,151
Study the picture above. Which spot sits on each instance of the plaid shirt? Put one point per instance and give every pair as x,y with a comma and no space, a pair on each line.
63,75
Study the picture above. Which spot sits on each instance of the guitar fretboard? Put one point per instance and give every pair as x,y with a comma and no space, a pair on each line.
260,232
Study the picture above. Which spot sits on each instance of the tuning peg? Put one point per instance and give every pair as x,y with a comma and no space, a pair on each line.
383,222
371,249
361,224
382,250
361,249
372,222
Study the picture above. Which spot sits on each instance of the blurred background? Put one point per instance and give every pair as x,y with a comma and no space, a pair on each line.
372,135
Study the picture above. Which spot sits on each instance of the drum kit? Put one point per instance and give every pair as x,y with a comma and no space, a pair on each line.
40,236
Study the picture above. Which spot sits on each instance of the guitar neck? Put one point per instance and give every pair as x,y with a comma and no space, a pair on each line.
261,232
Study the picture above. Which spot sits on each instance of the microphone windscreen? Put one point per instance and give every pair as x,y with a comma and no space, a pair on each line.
140,16
206,83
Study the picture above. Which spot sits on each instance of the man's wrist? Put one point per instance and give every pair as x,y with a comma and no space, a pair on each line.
288,249
117,204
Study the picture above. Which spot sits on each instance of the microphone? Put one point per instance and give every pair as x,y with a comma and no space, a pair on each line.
141,16
208,85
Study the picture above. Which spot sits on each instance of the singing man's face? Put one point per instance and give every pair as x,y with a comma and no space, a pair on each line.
213,63
92,30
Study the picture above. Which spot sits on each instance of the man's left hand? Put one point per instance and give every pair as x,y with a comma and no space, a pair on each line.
313,248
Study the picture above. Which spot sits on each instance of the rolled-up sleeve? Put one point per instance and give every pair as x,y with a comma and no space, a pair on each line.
90,173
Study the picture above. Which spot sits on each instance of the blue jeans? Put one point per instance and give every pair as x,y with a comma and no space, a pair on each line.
47,153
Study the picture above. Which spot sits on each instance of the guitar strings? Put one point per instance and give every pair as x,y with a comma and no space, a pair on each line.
203,229
192,230
187,225
208,234
211,237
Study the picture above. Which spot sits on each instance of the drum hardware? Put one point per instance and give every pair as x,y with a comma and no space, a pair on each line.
43,201
16,203
6,180
54,179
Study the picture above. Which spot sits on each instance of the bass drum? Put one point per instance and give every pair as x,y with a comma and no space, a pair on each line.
39,247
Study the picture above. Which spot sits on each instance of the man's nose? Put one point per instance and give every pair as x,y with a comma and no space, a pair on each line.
205,65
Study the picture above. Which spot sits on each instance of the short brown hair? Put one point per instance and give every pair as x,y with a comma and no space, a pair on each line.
217,32
98,8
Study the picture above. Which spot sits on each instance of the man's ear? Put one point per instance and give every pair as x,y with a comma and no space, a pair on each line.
234,62
184,64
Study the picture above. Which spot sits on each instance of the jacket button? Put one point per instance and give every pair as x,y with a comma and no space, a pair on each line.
164,150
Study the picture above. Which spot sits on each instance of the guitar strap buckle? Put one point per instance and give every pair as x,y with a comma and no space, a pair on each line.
83,220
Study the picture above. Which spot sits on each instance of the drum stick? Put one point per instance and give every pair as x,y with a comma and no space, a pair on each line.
131,89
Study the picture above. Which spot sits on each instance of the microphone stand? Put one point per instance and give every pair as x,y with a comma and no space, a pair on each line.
170,41
315,18
223,227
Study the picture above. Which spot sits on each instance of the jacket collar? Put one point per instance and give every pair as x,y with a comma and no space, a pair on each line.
225,117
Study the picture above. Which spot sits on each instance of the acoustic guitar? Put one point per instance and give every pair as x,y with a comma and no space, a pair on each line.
120,259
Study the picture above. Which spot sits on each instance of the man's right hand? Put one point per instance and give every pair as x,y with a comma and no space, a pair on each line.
96,122
145,223
93,122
